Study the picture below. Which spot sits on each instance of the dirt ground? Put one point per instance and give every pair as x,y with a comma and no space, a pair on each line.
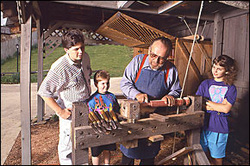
44,140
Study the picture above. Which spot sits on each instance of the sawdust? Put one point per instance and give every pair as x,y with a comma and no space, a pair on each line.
44,141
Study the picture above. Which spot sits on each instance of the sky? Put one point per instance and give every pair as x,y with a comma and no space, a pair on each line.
3,20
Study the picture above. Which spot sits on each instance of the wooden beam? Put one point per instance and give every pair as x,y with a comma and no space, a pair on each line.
237,4
143,128
101,4
179,153
170,5
192,63
193,136
80,156
25,91
40,102
36,8
200,155
23,12
54,27
111,5
218,35
124,4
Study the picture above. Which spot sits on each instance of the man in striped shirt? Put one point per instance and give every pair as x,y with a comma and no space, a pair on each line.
69,80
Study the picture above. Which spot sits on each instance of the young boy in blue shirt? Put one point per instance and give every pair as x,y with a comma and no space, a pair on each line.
102,96
221,95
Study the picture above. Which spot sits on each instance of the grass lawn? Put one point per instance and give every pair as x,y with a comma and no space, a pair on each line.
113,58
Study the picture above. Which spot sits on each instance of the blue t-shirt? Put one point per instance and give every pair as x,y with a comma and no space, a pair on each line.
108,98
217,91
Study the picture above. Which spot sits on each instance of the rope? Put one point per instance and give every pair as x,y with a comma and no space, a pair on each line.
204,27
196,40
197,25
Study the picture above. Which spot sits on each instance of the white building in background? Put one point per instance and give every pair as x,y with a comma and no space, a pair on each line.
3,20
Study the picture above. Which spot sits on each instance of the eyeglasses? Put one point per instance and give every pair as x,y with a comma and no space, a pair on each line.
161,59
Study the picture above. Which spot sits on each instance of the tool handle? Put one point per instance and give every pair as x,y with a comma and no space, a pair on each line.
161,103
95,117
113,115
104,115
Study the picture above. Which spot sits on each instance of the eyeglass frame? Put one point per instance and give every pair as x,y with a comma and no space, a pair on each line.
161,59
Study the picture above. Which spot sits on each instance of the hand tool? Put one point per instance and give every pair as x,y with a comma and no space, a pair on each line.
98,121
111,121
104,119
104,107
113,115
160,103
93,124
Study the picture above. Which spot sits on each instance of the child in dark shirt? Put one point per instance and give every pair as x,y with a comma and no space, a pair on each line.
221,95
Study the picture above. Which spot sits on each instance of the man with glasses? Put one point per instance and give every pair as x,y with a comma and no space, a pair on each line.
69,79
150,77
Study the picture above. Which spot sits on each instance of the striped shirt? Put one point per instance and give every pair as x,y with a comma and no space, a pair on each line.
68,81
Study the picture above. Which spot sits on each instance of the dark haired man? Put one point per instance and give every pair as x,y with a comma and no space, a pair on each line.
69,79
150,77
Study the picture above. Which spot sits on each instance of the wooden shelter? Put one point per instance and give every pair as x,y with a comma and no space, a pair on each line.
224,25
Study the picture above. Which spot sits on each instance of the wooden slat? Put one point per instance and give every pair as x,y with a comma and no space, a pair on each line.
181,57
54,27
149,27
170,5
193,135
25,91
140,29
128,26
79,118
218,34
124,4
40,102
192,63
58,44
159,117
246,65
156,138
179,153
201,157
241,25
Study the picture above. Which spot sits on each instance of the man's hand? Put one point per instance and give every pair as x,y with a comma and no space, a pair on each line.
141,97
65,113
169,100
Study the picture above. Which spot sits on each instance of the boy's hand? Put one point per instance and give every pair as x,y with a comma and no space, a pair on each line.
65,113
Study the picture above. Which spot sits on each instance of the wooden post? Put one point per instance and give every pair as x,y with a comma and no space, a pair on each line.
80,156
193,136
40,102
218,35
25,91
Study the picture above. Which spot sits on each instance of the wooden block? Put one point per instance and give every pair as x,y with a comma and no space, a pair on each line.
159,117
130,109
176,154
156,138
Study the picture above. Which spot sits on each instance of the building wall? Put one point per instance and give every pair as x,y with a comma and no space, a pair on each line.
235,43
8,47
